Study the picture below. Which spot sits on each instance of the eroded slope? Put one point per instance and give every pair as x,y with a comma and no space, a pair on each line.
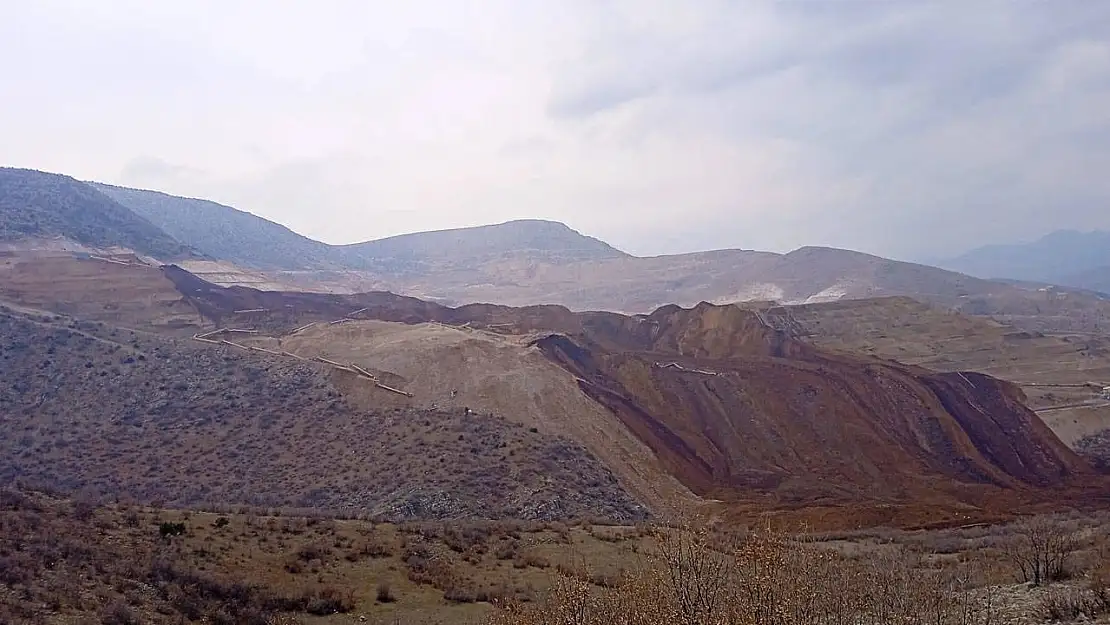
732,405
1062,375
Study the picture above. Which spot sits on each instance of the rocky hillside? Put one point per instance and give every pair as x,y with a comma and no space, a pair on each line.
37,205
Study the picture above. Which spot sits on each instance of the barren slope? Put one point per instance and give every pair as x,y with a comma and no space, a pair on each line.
1062,375
135,295
709,396
748,408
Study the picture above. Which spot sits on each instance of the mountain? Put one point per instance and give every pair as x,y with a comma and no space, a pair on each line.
230,234
1095,279
1062,257
807,275
529,262
537,240
37,205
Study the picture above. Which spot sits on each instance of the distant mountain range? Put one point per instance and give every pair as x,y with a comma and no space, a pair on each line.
1064,257
519,262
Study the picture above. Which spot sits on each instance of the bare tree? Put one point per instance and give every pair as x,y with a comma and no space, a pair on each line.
1040,549
699,573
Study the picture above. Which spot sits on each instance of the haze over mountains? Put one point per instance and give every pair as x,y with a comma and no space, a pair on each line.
521,263
139,364
1064,257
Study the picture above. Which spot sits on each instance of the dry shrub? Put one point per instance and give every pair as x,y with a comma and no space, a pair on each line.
698,577
385,593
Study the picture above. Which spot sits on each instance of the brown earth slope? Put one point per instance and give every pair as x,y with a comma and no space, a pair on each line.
1062,375
731,407
740,407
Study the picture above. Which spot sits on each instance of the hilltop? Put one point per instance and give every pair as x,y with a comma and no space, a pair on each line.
226,233
535,239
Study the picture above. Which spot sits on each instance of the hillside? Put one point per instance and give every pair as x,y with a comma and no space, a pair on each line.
677,406
807,275
1061,375
73,561
37,205
1061,257
226,233
731,408
1095,279
131,414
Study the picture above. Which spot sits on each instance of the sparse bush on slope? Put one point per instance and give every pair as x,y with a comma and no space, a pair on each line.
695,577
172,421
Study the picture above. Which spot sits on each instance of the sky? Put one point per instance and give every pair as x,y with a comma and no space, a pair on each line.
915,129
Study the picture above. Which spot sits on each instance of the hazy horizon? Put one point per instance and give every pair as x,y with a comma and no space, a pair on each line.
912,131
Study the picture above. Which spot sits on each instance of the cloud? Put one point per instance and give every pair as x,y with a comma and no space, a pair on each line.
907,129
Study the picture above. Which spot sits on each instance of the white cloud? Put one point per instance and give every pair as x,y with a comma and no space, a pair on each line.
902,128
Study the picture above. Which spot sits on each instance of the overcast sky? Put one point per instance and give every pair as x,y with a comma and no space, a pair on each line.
910,129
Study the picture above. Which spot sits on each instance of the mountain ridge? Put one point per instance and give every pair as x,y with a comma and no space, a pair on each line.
524,262
229,233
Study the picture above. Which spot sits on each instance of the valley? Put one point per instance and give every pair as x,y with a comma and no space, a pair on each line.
493,424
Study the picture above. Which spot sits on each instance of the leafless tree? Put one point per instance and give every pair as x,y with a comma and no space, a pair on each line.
1040,548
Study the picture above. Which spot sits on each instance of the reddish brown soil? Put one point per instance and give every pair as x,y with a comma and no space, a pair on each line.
750,413
738,412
